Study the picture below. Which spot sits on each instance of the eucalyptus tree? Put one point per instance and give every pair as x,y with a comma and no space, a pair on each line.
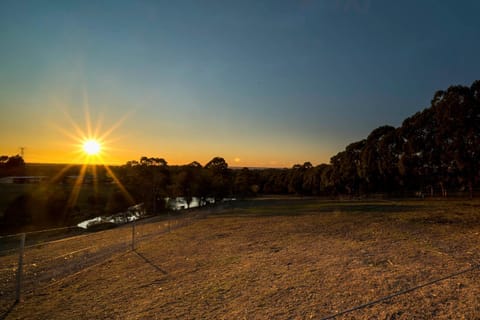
243,183
147,181
346,167
373,169
220,177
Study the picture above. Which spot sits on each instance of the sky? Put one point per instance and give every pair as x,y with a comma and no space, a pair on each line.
259,83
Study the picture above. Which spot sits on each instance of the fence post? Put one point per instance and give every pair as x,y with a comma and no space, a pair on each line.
133,235
20,269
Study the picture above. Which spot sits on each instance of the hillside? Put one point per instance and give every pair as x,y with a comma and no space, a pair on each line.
281,259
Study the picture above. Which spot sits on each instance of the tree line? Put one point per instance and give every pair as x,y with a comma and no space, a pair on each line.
433,153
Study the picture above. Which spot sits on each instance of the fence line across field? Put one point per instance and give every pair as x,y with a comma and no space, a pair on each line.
46,243
83,270
17,235
111,251
35,272
38,231
65,255
20,269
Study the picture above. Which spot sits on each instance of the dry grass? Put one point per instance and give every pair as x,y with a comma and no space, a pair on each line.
285,259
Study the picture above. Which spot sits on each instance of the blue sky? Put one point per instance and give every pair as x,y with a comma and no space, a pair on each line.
261,83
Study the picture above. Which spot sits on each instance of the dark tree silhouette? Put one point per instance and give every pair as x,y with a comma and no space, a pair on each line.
12,166
219,174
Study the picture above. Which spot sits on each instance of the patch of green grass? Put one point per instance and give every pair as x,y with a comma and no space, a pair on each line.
300,207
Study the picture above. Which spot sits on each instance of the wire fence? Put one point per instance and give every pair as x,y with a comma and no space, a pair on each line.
29,262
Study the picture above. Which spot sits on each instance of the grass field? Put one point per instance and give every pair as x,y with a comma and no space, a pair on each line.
284,259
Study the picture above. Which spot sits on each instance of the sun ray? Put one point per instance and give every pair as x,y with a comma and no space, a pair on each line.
68,134
86,109
114,127
95,179
60,174
98,126
72,200
123,190
92,144
80,133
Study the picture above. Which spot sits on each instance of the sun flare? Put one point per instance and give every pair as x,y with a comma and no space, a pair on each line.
91,147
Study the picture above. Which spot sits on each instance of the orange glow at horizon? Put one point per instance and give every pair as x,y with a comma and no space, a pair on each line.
119,143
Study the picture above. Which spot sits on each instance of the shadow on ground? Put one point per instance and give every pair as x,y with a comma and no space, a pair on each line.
5,314
150,262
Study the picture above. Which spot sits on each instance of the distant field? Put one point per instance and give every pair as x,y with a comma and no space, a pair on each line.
8,192
285,259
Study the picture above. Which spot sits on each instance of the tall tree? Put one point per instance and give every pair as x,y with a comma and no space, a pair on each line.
220,178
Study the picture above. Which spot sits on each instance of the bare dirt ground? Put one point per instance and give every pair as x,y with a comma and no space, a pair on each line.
283,259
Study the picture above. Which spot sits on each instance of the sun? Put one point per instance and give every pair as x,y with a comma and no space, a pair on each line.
91,147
